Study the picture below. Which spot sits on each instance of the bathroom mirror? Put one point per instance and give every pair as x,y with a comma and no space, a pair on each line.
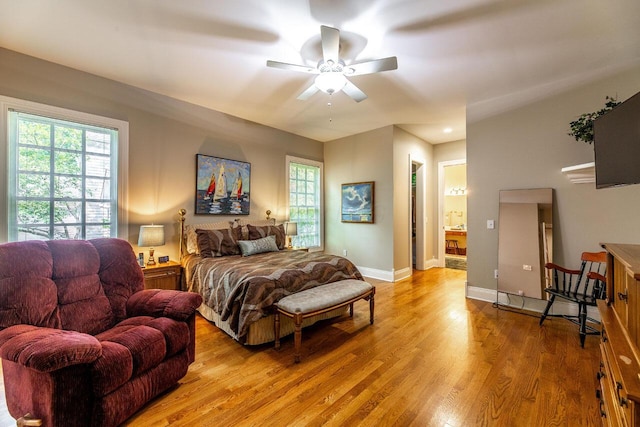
525,241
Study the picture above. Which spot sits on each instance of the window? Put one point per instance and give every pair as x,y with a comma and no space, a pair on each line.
305,201
62,173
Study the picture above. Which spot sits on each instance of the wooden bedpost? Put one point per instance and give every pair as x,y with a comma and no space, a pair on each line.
181,213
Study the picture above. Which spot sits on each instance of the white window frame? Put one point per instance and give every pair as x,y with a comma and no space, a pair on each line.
122,127
320,166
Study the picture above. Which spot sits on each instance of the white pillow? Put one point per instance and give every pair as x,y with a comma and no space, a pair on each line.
192,238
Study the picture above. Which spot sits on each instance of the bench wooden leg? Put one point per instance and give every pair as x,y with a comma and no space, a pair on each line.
297,336
371,306
276,329
351,309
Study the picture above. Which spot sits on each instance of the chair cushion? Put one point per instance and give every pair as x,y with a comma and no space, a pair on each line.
134,346
176,333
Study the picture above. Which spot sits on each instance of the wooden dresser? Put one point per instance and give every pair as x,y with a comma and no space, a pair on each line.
619,373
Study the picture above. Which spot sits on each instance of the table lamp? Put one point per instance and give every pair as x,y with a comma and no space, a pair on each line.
150,236
290,229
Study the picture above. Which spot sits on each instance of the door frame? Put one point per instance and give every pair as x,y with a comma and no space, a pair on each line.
441,214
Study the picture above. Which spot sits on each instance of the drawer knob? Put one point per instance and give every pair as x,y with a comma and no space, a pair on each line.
622,297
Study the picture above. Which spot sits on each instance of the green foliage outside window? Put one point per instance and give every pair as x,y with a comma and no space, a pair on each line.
63,179
304,204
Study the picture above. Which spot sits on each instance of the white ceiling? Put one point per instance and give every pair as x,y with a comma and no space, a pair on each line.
454,57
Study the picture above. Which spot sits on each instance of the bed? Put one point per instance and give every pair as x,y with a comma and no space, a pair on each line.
239,288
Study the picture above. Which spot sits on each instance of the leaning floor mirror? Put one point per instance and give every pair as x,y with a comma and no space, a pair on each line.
525,241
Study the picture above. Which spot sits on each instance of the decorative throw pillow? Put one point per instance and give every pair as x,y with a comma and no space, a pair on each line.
215,243
258,246
268,230
243,223
192,238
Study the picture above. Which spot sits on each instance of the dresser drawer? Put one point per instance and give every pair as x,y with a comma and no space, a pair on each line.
163,276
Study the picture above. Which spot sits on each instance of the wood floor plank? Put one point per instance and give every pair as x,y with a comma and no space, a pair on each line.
432,358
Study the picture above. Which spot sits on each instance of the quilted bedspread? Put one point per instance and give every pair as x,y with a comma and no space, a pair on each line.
243,289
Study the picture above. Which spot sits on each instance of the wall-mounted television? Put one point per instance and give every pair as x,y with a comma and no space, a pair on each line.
617,145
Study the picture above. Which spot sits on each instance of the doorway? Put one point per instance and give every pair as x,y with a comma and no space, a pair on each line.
417,220
452,218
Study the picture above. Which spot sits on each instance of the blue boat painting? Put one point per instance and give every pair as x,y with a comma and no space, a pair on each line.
357,202
222,186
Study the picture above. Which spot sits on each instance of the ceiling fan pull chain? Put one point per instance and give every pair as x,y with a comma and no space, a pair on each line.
329,105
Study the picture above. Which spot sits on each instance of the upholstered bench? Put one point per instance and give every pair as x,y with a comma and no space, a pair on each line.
318,300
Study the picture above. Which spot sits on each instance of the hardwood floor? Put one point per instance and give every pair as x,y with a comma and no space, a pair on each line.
432,358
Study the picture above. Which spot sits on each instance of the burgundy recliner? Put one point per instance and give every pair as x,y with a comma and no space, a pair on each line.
82,343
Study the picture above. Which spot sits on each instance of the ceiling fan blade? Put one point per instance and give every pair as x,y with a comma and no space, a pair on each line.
292,67
308,92
330,43
353,91
374,66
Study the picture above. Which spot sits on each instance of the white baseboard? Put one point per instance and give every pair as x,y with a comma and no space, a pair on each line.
560,307
394,275
374,273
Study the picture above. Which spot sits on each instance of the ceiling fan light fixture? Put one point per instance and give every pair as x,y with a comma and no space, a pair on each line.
330,82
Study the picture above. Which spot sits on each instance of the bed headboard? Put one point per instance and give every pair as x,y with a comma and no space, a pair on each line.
238,222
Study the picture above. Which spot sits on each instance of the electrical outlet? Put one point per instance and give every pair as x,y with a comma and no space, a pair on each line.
344,252
495,273
526,267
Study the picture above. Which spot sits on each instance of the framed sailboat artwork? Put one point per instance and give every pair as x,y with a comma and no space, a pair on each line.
222,186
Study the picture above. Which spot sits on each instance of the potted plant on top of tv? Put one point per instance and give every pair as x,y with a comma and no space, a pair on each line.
582,127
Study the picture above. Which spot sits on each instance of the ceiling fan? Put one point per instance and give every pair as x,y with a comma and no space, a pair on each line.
332,72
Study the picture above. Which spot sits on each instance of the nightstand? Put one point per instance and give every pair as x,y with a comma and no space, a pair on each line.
163,276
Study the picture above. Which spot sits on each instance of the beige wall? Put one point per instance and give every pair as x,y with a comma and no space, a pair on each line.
407,149
526,148
164,137
358,158
383,155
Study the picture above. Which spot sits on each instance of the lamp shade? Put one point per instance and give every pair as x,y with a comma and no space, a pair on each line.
291,228
151,235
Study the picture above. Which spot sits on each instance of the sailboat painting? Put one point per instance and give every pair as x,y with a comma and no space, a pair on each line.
222,186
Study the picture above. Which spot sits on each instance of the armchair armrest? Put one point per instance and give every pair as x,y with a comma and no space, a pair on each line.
46,349
596,276
177,305
552,266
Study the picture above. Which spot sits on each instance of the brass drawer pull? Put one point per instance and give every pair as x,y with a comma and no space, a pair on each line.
622,400
622,297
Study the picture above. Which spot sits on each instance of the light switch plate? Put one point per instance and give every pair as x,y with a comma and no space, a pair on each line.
490,224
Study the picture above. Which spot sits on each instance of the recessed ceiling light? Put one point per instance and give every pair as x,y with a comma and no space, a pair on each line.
447,130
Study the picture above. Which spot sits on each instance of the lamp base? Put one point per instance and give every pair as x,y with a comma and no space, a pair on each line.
289,245
151,260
